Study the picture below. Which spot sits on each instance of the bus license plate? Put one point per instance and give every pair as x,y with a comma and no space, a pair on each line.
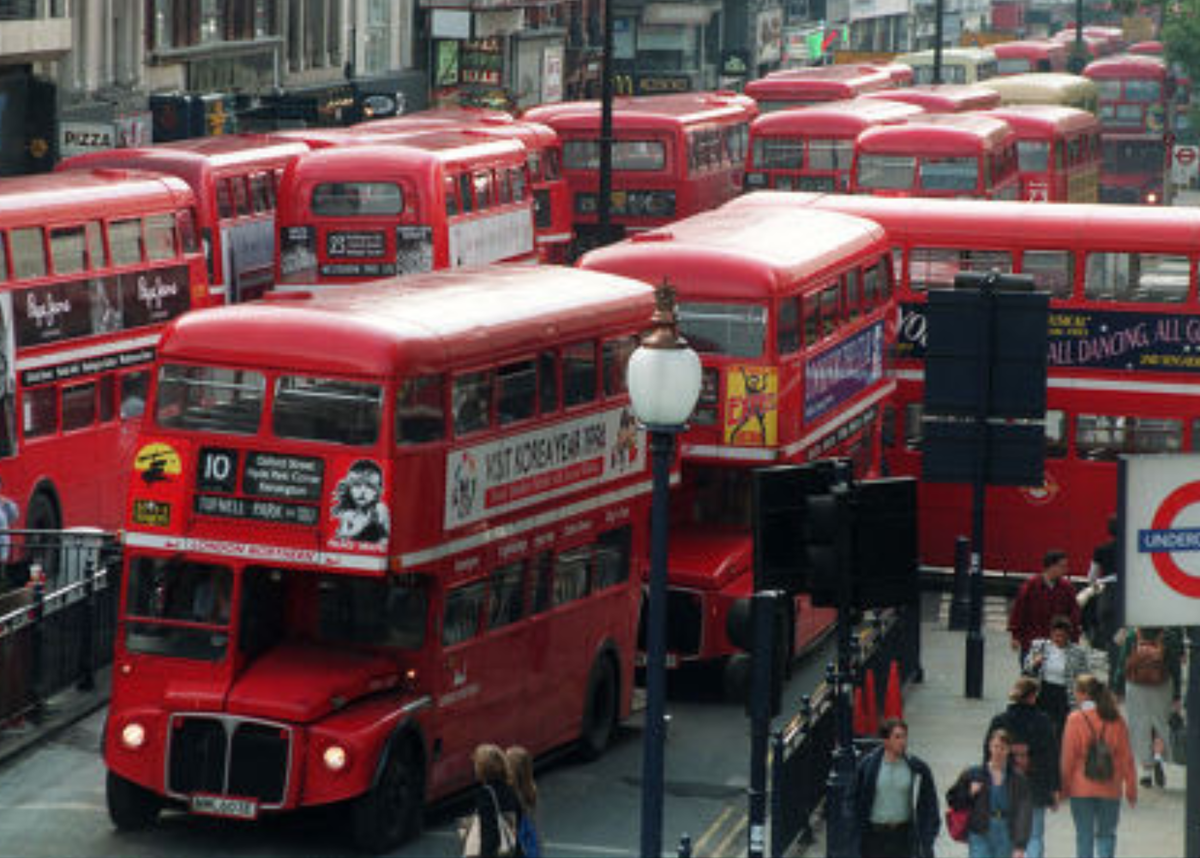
233,808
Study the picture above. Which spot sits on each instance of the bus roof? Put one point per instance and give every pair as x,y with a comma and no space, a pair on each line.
1042,119
1042,88
1029,49
1150,47
942,134
728,254
415,323
450,115
840,119
688,108
971,223
1126,66
818,83
35,199
949,55
942,97
192,158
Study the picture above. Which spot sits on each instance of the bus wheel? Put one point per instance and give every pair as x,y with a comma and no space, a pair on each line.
44,549
130,807
599,709
391,812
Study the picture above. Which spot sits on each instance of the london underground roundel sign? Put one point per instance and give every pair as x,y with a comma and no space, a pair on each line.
1160,511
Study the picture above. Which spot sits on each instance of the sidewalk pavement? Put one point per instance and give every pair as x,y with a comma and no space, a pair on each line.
946,730
58,713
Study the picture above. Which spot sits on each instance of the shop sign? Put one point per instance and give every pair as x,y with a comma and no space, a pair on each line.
769,29
75,138
659,84
451,24
735,63
552,74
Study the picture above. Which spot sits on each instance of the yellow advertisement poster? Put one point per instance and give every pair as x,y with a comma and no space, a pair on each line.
751,406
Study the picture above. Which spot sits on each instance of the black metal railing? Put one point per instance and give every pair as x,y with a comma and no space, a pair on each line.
58,608
802,752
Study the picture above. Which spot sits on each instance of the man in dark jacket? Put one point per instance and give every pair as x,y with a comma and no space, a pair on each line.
897,800
1039,600
1035,754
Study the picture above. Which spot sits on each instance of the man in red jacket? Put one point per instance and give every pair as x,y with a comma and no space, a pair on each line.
1039,600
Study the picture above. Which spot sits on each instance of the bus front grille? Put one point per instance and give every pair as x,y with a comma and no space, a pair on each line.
227,756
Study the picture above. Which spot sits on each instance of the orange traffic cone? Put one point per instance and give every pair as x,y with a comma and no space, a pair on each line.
860,715
871,704
893,707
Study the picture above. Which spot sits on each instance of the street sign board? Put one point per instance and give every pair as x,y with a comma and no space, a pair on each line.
1160,539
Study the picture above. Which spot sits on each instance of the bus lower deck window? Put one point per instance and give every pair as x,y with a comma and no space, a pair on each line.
40,411
78,406
133,394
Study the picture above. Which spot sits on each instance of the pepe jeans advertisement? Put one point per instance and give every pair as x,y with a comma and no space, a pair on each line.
100,305
843,372
1095,339
515,472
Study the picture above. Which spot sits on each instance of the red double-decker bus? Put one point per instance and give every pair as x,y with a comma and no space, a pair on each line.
1135,103
793,316
815,85
942,98
551,196
438,199
386,523
1030,55
1058,152
672,156
1124,329
92,264
235,179
946,155
812,148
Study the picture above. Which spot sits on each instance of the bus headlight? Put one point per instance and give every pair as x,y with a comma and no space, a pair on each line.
133,735
334,758
1151,198
755,180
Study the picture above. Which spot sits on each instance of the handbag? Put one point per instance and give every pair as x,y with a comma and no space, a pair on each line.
472,833
1147,664
958,822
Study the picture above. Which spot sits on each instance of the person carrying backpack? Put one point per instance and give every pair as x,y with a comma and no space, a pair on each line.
1097,767
520,764
1149,666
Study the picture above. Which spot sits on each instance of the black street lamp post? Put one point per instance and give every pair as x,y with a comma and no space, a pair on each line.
664,383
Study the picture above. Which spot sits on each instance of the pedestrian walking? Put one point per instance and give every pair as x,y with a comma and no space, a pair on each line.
1149,667
1097,767
997,794
492,830
520,764
1099,611
1039,600
1056,662
1034,754
897,799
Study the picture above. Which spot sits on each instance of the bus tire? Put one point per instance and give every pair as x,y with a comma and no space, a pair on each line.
43,514
600,707
391,812
130,807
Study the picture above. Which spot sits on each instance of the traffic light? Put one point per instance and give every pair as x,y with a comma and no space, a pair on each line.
828,532
759,625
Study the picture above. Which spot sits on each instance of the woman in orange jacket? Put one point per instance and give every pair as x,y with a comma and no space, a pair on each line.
1097,767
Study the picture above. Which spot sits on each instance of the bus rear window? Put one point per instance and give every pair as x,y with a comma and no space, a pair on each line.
778,153
327,409
210,399
736,330
633,155
886,172
356,199
949,174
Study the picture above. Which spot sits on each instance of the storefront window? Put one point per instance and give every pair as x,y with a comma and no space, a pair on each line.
164,23
210,21
376,37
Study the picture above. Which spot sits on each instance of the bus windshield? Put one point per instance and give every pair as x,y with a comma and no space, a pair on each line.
178,608
736,330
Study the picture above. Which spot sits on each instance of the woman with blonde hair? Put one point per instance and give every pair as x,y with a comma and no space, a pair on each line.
1097,767
493,828
520,765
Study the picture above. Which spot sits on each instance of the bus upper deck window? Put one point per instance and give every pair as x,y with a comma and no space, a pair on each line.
225,207
260,193
420,410
125,241
332,410
579,373
160,237
787,326
616,354
830,311
484,195
1051,270
28,252
354,199
451,197
241,197
472,402
68,250
548,381
517,177
464,193
516,390
186,220
503,189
